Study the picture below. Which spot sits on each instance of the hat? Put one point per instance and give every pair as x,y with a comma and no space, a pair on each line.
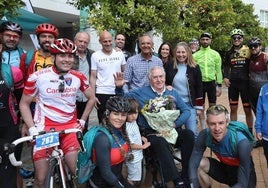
206,34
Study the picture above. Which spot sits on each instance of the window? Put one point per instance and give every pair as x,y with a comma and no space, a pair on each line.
264,18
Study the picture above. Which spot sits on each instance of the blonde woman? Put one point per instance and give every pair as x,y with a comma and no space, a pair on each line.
185,77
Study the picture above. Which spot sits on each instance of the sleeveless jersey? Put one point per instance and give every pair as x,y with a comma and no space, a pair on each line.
52,107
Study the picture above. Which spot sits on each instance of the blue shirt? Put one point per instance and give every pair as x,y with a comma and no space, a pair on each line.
137,69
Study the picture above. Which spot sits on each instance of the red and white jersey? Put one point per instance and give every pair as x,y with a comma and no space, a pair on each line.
52,107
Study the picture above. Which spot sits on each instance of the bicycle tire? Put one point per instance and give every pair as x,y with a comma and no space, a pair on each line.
50,177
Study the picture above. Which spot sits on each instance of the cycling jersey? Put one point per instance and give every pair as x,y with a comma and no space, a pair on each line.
12,57
209,61
236,64
240,160
8,103
50,103
38,62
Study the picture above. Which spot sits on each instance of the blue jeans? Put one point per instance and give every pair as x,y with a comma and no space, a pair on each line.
191,123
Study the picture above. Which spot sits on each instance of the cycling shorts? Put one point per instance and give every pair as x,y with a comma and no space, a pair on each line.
210,89
238,87
227,174
68,143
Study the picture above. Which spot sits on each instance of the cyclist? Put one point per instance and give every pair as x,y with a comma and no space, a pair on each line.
236,77
235,169
9,129
11,34
210,64
257,70
194,45
41,58
55,89
109,158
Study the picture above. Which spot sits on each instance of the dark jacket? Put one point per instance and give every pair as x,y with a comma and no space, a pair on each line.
88,56
195,86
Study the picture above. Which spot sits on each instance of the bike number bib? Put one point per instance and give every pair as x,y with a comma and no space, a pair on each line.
47,141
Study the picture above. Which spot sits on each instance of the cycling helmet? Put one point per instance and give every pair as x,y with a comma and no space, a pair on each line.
63,46
254,40
117,104
237,32
11,26
47,28
194,41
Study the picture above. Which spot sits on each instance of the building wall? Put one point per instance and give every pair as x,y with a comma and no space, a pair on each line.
258,5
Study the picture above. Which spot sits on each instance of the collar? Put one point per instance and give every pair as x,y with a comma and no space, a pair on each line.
159,94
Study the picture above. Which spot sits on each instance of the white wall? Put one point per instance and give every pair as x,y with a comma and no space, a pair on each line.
258,5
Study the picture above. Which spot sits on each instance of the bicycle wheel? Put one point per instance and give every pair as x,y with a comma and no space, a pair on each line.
53,175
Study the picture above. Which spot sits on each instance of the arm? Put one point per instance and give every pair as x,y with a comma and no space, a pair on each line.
198,89
198,150
184,110
245,162
218,69
93,75
103,147
259,115
90,103
26,111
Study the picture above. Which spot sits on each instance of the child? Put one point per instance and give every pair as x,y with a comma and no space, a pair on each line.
261,123
134,167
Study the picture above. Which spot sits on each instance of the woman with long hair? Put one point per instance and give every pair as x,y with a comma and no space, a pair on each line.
109,158
185,77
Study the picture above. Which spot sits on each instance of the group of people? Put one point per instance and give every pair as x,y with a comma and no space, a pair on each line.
63,81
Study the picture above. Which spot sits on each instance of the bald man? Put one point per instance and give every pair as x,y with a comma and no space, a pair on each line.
104,63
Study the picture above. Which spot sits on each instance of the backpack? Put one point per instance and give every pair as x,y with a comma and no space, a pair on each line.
85,166
234,127
6,69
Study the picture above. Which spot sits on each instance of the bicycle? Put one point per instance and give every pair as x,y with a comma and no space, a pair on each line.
57,165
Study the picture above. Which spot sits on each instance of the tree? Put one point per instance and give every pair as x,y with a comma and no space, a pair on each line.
11,6
220,18
176,20
131,17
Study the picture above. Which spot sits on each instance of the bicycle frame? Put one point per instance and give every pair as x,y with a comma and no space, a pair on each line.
56,155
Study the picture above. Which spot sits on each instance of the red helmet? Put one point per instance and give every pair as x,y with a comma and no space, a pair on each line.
47,28
63,46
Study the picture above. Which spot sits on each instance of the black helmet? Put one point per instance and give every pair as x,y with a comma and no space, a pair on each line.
117,104
11,26
254,41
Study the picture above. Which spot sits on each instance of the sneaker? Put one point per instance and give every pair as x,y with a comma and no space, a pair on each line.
257,143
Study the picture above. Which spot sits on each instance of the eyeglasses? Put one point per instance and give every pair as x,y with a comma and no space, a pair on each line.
62,84
236,37
253,46
15,37
217,109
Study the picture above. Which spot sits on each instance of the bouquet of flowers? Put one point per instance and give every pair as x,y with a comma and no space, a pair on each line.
160,114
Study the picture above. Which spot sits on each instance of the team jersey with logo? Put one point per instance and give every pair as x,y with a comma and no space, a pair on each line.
54,108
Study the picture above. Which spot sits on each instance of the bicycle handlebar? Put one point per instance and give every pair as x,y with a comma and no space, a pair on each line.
11,147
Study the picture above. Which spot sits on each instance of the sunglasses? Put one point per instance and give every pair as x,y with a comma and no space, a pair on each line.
217,109
236,37
62,84
253,46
